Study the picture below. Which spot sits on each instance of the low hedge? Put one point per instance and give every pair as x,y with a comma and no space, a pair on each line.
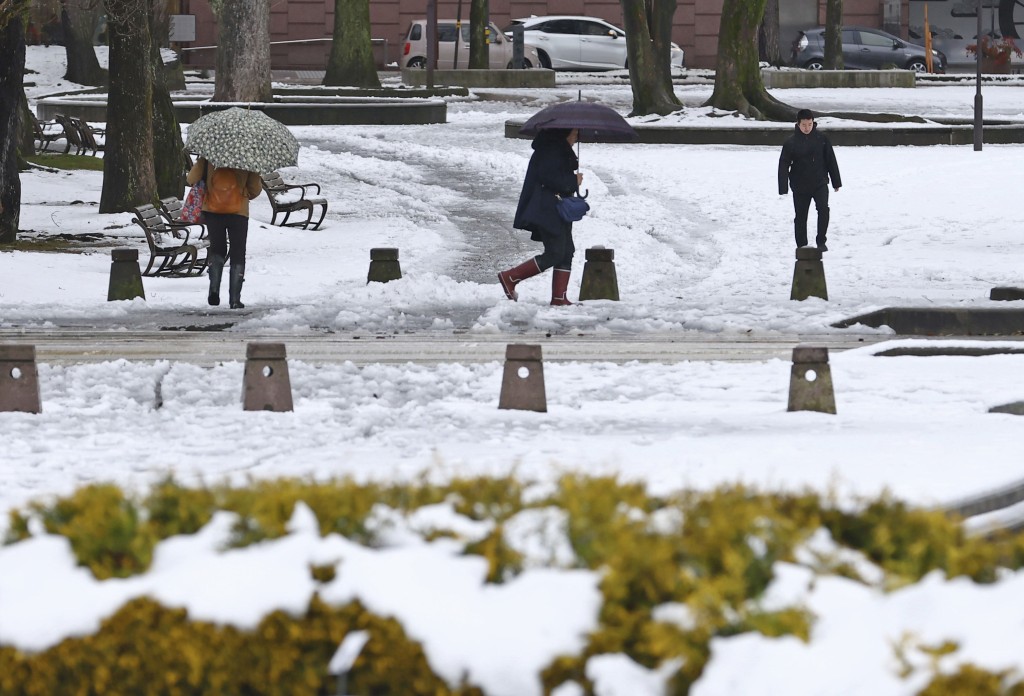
713,552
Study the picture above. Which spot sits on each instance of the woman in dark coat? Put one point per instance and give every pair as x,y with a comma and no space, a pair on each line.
552,171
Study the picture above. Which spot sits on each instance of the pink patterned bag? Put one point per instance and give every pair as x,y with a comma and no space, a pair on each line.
192,208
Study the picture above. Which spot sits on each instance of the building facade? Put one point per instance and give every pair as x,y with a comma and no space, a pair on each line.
301,29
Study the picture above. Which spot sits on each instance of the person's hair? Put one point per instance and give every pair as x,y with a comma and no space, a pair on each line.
552,135
804,115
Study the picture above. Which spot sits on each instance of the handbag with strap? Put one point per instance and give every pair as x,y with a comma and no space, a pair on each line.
192,208
572,208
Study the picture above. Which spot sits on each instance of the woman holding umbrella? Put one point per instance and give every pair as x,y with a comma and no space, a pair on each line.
226,214
551,173
234,146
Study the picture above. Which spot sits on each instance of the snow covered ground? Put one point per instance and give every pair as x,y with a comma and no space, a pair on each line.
703,243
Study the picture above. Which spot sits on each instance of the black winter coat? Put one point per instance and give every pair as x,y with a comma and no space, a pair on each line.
807,163
552,170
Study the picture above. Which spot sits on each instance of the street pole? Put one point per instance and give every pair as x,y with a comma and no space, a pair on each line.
978,125
432,41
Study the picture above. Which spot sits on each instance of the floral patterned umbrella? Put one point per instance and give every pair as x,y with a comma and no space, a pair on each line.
243,139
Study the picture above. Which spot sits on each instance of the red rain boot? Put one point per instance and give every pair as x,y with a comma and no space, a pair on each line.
510,278
559,286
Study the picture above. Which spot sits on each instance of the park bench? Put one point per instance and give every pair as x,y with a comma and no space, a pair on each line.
71,134
46,132
87,134
283,200
173,248
171,208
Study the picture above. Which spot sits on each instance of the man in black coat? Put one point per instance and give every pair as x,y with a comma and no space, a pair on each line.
806,166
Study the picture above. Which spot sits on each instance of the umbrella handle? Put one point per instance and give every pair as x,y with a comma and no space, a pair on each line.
582,195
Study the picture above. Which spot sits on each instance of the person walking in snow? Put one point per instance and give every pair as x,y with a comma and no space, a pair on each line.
806,165
551,173
226,214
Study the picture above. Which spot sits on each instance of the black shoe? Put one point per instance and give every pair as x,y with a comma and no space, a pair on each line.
822,247
213,299
237,305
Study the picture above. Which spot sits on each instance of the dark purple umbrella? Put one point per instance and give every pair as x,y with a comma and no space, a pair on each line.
596,122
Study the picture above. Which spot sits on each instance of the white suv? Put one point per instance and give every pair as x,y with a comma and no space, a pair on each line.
570,42
499,53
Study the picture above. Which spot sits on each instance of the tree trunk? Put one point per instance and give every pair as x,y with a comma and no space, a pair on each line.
648,54
351,61
12,93
834,35
771,50
243,51
128,178
78,18
738,83
479,50
170,160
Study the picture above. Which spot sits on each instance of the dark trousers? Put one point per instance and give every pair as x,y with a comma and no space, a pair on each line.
802,204
222,227
558,249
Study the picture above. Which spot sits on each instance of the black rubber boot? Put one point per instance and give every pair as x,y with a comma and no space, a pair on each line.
235,286
216,270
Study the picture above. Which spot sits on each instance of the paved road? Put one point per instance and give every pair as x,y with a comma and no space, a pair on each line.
78,345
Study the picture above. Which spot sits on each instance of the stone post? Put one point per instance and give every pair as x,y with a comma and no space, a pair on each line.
808,275
599,281
810,381
19,379
383,266
266,386
125,276
522,385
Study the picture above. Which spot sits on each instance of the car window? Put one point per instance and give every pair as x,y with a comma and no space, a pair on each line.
849,36
871,39
446,33
415,32
594,29
561,26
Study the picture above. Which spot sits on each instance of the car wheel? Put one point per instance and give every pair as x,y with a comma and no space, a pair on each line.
417,63
814,65
917,65
545,62
526,64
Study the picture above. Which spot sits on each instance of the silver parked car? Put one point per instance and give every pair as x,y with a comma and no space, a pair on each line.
499,52
575,42
864,49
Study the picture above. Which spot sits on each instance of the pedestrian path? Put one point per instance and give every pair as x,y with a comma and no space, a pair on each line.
84,345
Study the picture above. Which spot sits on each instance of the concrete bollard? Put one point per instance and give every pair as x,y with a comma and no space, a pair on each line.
125,276
19,379
808,275
599,281
1006,294
810,381
522,385
266,386
383,266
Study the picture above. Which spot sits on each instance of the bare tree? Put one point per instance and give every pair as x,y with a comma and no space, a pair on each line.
738,83
768,36
170,160
128,178
351,60
12,95
79,18
648,55
479,50
243,51
834,35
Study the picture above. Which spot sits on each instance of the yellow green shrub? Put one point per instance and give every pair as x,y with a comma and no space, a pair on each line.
974,681
713,552
146,649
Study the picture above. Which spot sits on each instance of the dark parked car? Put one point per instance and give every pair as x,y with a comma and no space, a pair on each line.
864,49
